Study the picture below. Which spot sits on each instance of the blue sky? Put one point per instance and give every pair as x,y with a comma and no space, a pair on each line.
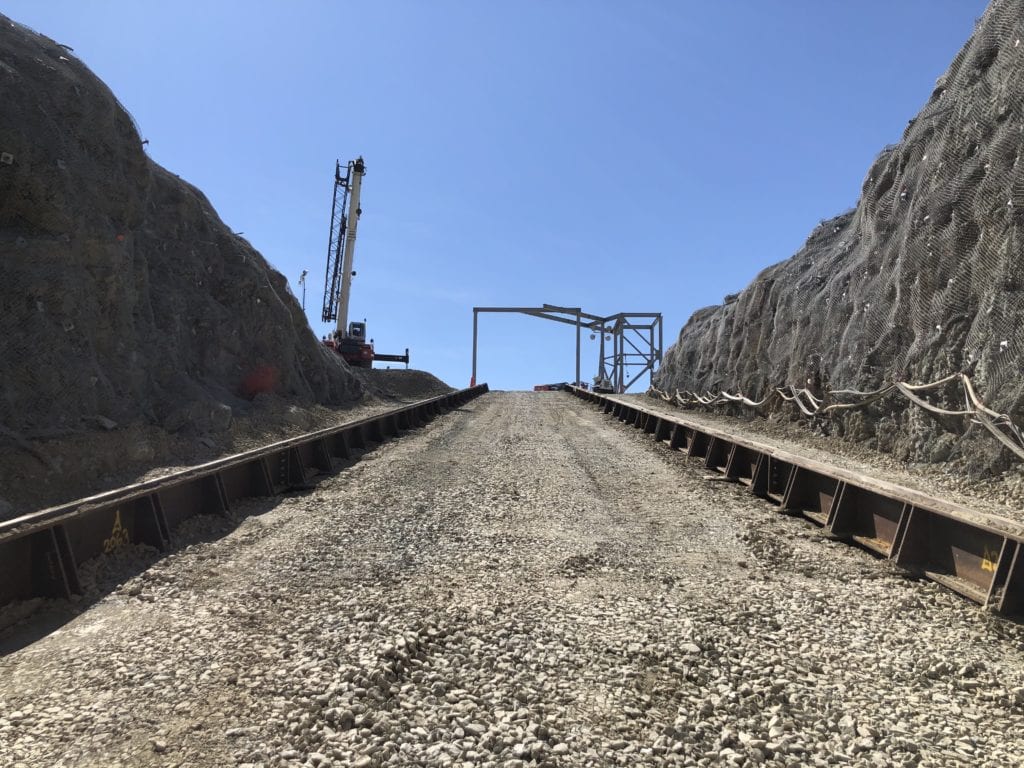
640,156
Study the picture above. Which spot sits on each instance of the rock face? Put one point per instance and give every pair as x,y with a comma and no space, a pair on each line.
123,297
923,278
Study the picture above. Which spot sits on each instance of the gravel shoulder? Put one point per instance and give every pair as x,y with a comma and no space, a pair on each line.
522,582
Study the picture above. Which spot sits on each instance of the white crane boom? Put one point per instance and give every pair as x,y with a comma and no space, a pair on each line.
352,222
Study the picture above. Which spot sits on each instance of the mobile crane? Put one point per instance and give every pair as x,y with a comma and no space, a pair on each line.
348,341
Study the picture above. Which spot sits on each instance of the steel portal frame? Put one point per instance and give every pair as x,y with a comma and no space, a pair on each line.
637,339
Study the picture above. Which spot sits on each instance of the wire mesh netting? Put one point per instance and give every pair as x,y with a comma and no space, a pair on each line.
922,279
937,228
124,296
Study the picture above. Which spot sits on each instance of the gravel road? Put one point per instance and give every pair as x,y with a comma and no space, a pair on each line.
524,582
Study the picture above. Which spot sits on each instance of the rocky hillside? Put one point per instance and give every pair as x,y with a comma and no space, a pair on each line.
124,299
923,278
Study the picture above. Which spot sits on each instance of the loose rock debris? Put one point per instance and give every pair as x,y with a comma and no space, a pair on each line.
523,583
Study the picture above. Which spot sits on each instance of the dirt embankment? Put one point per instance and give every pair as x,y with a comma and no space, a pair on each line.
921,279
91,461
136,330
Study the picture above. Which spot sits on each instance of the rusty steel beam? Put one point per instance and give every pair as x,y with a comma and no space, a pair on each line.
40,552
978,555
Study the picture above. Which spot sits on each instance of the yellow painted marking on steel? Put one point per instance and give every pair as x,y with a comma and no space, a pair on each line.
988,560
118,536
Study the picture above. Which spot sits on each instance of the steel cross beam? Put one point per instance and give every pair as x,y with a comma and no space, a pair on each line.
646,342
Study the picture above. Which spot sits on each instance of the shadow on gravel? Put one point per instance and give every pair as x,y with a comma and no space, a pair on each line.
24,622
45,618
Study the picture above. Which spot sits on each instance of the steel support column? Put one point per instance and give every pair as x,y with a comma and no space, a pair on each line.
577,382
476,315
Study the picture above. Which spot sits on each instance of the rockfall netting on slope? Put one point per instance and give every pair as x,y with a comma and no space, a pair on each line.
124,299
841,401
922,279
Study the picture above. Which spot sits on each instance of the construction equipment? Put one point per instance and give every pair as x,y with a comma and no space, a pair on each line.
559,387
349,340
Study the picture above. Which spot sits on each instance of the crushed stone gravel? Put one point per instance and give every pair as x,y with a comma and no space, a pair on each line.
521,583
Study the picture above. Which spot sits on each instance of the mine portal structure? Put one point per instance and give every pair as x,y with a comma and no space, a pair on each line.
636,348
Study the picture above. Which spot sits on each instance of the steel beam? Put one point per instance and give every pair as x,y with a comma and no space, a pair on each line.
647,355
40,552
978,555
476,315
